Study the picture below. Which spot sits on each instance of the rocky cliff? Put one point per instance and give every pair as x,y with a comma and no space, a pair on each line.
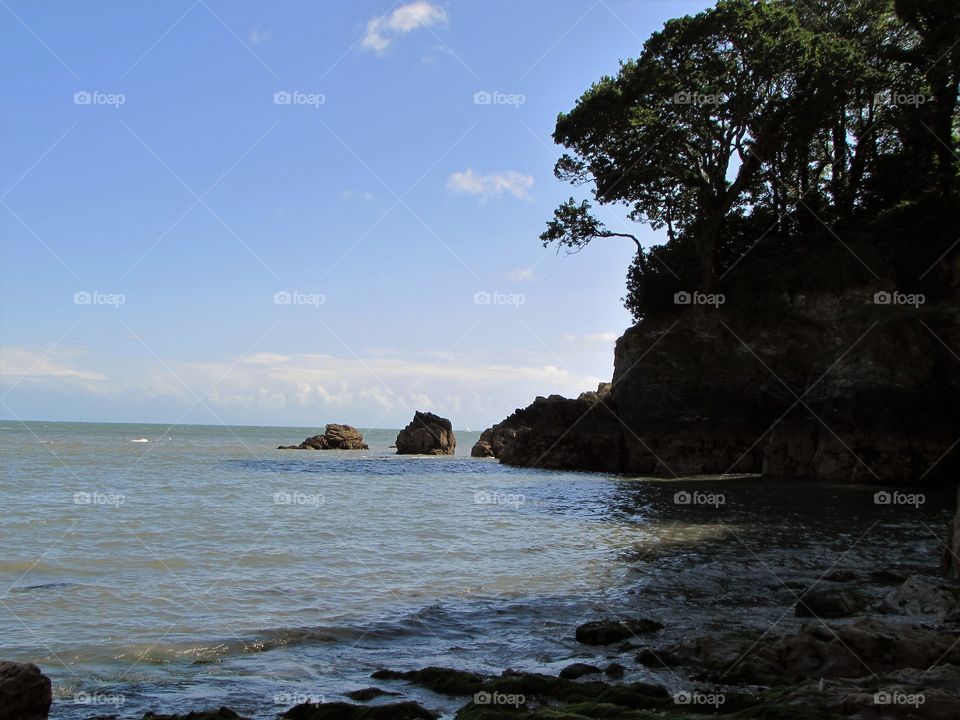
832,387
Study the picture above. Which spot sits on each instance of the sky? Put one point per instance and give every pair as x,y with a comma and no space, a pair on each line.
260,213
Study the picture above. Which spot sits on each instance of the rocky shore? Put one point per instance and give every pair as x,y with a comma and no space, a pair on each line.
832,387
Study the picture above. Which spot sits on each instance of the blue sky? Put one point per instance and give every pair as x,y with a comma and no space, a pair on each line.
301,212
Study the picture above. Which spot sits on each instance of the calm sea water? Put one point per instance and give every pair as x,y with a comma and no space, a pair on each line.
204,568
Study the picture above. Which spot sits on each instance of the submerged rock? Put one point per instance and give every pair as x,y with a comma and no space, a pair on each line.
345,711
427,434
25,692
223,713
606,632
831,603
366,694
335,437
577,670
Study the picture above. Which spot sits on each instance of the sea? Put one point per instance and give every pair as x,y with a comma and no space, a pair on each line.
177,568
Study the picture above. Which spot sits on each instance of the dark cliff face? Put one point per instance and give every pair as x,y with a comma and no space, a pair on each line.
827,387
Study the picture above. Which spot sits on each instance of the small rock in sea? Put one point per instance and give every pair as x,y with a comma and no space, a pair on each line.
831,603
606,632
578,670
614,670
427,434
346,711
335,437
223,713
655,659
887,577
369,693
841,576
25,692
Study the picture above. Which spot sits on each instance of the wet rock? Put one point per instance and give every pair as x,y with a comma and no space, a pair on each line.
335,437
25,692
606,632
917,597
367,694
656,658
831,603
614,670
950,566
427,434
346,711
456,683
223,713
578,670
841,576
887,577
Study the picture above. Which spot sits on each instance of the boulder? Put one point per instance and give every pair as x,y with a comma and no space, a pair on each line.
427,434
25,692
345,711
951,554
223,713
578,670
606,632
335,437
830,603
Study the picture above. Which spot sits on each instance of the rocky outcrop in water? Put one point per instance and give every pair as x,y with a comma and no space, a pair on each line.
25,692
833,387
951,553
427,434
335,437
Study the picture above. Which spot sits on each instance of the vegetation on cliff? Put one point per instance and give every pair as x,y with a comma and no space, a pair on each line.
783,145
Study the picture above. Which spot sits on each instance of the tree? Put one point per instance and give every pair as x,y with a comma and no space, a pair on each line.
680,134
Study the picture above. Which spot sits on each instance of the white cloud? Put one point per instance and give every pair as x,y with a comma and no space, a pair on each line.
18,363
382,30
520,275
259,36
492,184
598,338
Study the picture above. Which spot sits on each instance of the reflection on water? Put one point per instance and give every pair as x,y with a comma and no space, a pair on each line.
231,571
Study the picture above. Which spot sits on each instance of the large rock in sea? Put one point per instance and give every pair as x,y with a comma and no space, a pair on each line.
427,434
25,692
951,554
335,437
830,387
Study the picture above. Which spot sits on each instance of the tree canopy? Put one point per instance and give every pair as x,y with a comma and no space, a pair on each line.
770,124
